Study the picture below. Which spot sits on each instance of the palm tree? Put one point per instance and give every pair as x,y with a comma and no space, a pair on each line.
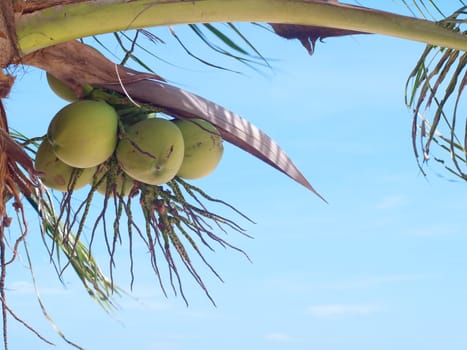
53,35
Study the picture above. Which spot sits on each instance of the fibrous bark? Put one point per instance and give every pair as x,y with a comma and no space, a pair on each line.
8,48
28,6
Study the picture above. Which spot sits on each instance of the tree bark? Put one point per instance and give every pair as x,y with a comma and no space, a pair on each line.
29,6
8,49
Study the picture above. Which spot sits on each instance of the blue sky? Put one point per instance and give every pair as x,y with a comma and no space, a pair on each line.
382,266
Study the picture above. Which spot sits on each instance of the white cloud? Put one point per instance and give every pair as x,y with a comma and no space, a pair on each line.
280,337
372,281
391,202
333,310
202,315
27,288
434,231
297,284
145,304
21,287
164,345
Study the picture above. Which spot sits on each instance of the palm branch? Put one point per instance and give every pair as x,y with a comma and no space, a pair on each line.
433,92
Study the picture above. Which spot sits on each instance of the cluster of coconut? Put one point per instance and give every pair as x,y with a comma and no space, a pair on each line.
85,140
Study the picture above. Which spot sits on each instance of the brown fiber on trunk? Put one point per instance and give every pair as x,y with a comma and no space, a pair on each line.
77,64
28,6
8,49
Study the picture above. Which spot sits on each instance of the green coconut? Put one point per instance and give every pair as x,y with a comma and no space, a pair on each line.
151,151
61,89
203,148
56,174
83,134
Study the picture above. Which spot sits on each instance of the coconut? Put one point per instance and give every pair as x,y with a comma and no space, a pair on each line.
151,151
56,174
83,134
61,89
203,148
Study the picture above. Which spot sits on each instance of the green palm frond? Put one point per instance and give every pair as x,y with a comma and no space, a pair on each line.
241,50
60,242
425,9
224,39
429,9
455,148
433,92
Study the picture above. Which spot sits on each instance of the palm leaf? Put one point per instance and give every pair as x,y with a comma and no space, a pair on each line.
59,242
423,8
429,8
436,84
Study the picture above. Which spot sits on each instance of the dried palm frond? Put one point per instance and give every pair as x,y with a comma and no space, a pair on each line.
309,35
17,176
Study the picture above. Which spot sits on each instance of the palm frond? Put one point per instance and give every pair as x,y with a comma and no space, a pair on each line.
425,9
225,39
232,45
433,92
59,242
43,307
453,147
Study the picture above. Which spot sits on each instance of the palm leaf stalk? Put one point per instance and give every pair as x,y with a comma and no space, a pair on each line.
56,25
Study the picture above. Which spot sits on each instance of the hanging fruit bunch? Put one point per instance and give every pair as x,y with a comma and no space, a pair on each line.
84,135
135,156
